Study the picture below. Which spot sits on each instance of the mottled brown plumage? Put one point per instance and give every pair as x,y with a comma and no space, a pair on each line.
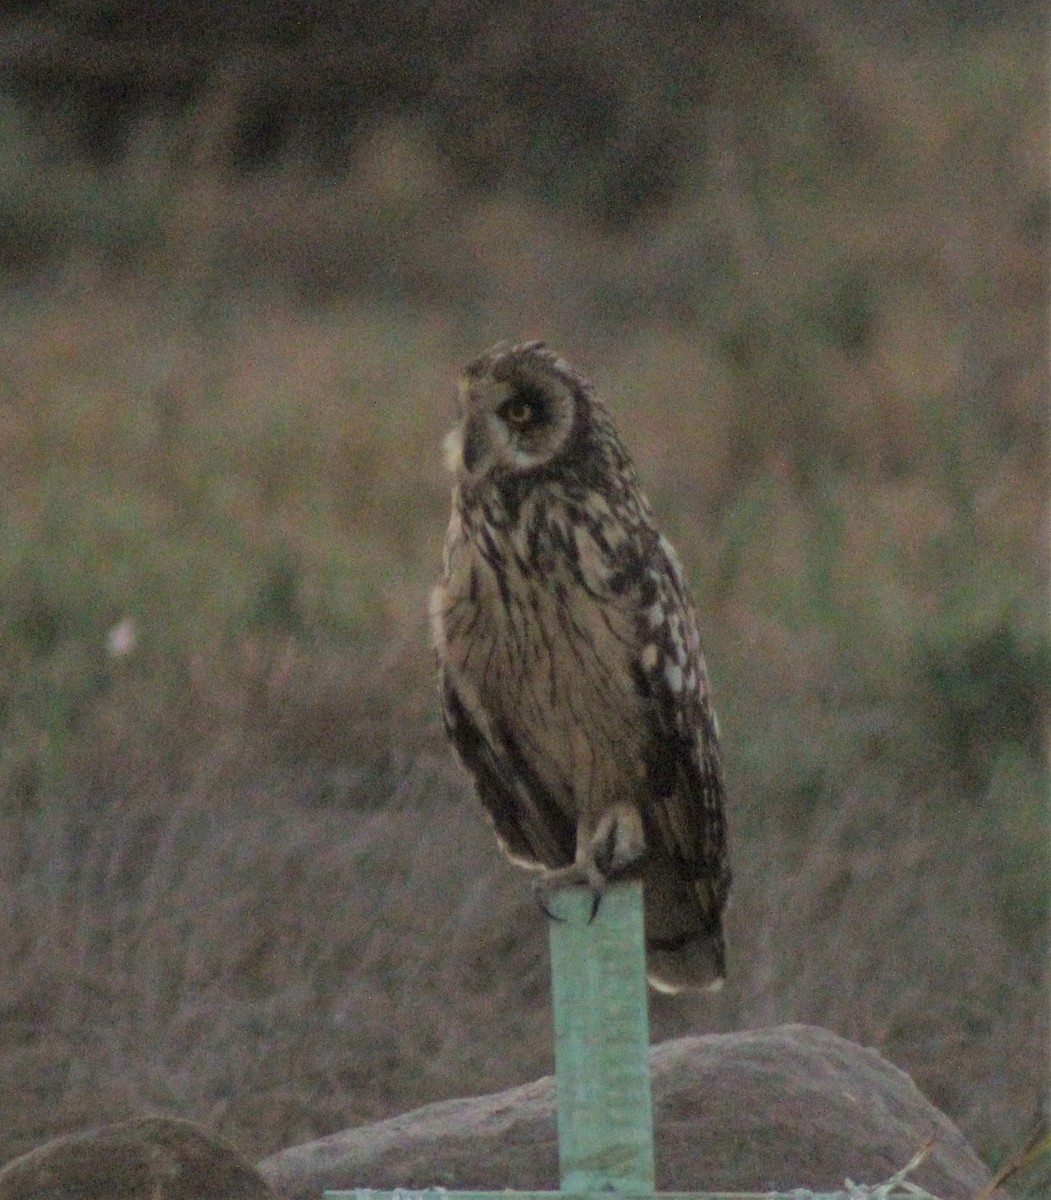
571,675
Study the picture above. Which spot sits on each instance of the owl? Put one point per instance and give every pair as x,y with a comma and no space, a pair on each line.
570,671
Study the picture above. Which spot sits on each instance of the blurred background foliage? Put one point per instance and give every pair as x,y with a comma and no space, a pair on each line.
243,250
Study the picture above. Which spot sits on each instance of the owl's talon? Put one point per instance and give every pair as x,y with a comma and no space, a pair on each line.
574,876
542,892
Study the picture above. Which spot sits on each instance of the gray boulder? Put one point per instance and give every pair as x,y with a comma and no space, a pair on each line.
771,1109
155,1158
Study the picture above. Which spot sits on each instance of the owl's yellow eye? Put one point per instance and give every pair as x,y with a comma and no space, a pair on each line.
518,412
523,408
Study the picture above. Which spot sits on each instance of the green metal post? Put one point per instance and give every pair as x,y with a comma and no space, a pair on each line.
598,982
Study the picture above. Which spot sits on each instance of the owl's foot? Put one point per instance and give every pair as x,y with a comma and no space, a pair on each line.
618,845
578,875
615,851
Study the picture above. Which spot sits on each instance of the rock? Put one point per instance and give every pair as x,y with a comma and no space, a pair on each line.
771,1109
155,1158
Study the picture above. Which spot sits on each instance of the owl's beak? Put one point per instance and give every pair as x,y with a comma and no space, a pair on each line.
452,451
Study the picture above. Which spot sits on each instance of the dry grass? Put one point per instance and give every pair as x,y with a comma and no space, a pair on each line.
241,881
283,916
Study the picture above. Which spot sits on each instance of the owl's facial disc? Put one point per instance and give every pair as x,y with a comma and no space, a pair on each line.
513,422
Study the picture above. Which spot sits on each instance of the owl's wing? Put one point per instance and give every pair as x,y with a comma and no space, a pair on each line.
529,824
685,814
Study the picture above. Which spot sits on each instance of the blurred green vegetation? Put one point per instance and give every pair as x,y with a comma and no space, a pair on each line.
222,395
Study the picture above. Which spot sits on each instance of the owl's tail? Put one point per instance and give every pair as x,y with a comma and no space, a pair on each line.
685,950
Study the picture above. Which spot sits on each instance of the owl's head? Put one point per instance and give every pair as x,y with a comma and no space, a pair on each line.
521,408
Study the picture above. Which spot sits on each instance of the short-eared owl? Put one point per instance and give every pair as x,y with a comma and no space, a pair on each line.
571,676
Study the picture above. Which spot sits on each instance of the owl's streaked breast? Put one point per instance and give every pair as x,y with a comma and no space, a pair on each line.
540,644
